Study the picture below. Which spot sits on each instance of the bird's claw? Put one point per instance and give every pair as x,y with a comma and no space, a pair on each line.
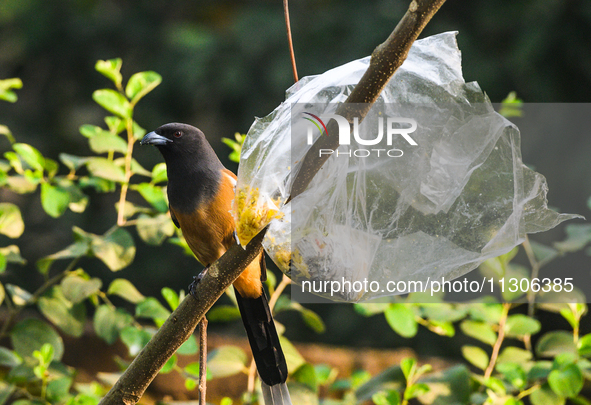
196,281
236,238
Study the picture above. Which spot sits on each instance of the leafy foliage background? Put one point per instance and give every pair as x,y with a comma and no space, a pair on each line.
223,63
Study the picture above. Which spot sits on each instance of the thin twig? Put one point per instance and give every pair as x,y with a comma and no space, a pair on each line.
252,374
535,270
289,40
500,337
202,360
285,281
125,185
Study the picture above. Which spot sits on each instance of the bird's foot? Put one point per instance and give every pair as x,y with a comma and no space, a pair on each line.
236,238
196,281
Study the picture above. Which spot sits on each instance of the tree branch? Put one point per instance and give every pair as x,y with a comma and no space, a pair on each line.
386,58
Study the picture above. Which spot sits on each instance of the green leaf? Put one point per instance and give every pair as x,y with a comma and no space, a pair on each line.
126,290
154,230
105,169
79,248
370,309
153,195
11,221
138,132
584,345
307,376
293,358
325,374
416,390
72,162
58,389
539,370
78,200
62,313
223,313
514,355
171,297
390,397
543,252
151,308
98,184
495,384
401,319
476,356
104,142
159,173
109,322
169,365
76,289
408,366
111,69
443,312
29,154
442,328
135,339
19,296
9,358
141,84
115,124
567,382
554,343
486,312
545,396
190,384
114,102
90,131
4,130
189,347
513,373
480,331
226,361
519,325
578,235
47,353
31,334
192,369
6,86
115,248
2,291
12,254
314,321
54,199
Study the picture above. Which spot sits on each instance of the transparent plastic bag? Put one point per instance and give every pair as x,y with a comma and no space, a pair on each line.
461,197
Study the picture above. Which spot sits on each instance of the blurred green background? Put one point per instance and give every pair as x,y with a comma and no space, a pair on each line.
225,62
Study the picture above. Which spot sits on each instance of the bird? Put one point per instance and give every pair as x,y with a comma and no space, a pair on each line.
200,194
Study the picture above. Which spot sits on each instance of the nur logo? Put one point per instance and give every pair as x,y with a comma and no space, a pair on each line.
393,127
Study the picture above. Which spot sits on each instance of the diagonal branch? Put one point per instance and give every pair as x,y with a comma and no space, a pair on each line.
386,58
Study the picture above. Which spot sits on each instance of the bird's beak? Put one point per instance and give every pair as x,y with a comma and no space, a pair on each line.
153,138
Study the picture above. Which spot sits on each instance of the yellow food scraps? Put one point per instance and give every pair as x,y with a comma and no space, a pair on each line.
253,213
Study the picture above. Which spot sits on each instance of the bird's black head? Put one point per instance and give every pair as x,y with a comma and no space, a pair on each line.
181,143
193,168
176,138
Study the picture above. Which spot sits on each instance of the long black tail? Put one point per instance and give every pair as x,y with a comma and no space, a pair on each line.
263,338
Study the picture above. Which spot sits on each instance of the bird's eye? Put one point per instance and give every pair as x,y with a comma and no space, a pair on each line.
178,134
